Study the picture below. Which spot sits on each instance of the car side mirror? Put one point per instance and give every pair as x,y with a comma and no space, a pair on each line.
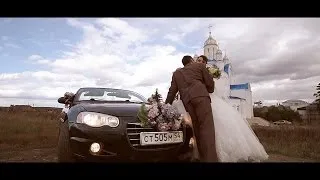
62,100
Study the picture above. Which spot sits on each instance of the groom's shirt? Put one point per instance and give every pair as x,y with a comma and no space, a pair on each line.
191,81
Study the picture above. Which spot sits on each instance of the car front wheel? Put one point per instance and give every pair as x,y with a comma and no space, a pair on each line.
64,149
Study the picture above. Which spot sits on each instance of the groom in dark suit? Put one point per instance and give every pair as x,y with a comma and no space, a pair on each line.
194,84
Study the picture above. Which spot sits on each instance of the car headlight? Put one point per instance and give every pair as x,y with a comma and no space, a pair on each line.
97,119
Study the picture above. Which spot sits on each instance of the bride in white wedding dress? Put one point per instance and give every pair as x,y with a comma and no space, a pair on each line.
235,140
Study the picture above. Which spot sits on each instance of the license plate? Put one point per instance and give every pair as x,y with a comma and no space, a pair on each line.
156,138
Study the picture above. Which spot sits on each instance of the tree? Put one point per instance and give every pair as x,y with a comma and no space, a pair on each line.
157,97
273,114
276,113
317,95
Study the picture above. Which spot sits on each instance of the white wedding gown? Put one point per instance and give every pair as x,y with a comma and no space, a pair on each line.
235,140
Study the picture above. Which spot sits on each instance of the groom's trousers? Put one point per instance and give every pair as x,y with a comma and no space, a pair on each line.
202,119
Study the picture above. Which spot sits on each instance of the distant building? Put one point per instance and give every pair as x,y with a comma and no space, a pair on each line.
303,113
295,104
241,98
313,113
258,104
310,113
237,95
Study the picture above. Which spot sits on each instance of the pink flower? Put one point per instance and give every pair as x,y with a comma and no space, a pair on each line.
163,127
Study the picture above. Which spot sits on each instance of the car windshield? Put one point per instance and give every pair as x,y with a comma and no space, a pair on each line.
108,94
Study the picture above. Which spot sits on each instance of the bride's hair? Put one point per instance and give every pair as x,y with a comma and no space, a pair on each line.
204,58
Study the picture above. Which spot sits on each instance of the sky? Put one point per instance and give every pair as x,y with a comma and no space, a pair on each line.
41,58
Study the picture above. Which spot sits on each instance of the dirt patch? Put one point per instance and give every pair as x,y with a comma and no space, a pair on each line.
282,158
31,155
49,155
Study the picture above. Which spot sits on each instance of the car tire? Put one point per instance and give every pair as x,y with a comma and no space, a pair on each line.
64,149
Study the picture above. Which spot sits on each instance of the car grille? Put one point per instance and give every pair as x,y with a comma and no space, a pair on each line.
133,132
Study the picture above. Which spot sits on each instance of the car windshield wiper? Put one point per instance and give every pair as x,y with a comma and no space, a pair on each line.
126,101
136,102
92,99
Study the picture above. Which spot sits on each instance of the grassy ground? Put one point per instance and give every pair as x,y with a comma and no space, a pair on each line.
40,130
295,141
28,129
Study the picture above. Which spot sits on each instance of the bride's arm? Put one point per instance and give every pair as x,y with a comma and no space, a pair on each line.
187,120
193,140
177,96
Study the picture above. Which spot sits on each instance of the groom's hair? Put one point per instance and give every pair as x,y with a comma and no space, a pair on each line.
186,60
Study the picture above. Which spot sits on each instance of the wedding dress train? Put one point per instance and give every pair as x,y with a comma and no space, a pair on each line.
235,140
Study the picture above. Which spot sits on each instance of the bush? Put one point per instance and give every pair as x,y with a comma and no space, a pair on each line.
276,113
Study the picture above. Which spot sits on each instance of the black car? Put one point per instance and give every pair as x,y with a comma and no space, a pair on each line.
101,124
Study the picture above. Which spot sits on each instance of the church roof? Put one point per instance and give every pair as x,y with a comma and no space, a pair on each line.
239,86
210,41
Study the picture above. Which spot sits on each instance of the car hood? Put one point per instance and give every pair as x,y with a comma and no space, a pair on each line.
114,109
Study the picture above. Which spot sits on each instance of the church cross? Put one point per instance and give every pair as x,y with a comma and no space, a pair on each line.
210,26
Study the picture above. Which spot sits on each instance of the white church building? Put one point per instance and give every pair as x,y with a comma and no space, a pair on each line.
237,95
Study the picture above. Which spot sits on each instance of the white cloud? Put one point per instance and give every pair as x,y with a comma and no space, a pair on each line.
127,54
37,59
34,57
66,42
7,20
38,43
11,45
174,37
186,26
4,38
112,53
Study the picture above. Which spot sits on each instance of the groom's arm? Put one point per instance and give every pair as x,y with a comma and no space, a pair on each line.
208,79
172,91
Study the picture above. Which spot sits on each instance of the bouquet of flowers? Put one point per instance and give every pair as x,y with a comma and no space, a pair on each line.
160,116
214,71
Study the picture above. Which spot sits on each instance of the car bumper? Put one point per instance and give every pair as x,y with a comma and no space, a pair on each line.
116,145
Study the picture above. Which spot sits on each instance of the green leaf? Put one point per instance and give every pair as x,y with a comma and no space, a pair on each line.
143,115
